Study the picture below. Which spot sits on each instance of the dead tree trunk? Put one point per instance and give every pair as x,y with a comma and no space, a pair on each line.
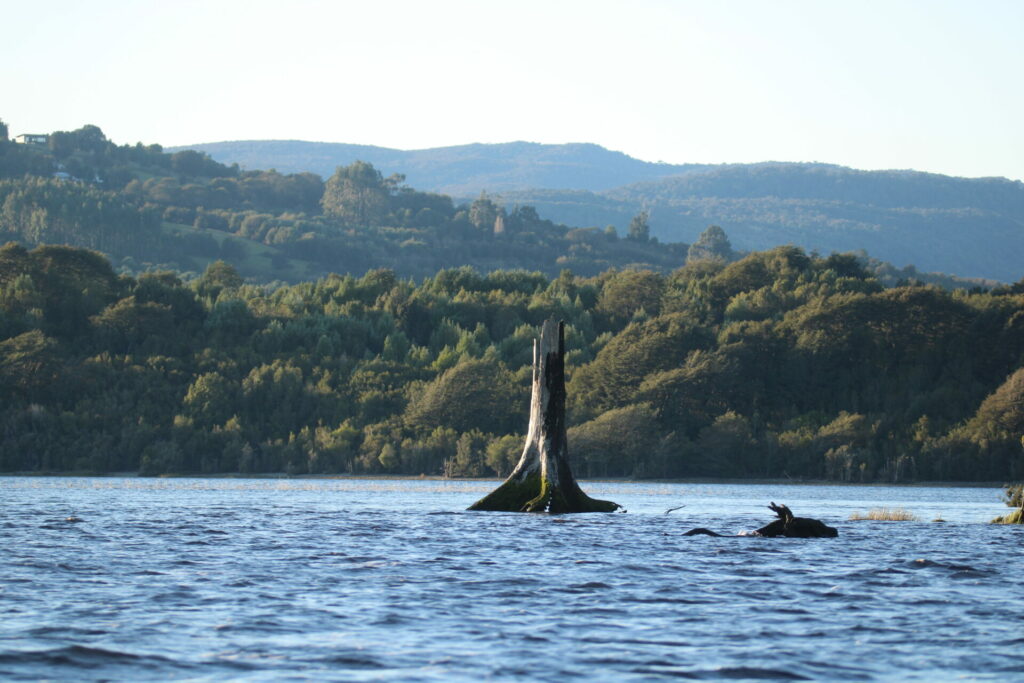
542,481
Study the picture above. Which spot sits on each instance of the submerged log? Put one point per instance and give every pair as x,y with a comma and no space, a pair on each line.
786,525
795,527
542,480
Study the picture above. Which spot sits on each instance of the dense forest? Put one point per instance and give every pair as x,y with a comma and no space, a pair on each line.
684,360
777,365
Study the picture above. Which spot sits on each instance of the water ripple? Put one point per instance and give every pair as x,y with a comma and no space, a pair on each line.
356,580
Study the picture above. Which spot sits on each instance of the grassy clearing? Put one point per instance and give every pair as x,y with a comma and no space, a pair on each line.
886,515
252,259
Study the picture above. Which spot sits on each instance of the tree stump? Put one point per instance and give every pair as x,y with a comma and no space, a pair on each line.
542,480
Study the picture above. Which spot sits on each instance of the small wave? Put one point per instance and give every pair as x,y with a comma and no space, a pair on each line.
960,571
392,620
585,587
81,656
666,601
352,662
602,611
43,631
747,672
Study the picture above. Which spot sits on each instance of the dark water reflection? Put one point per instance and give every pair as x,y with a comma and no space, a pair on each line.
391,580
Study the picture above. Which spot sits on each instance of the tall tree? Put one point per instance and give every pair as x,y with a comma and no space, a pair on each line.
357,194
483,213
713,244
639,227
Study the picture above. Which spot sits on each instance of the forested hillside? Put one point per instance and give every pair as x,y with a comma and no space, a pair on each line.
190,352
967,227
777,365
149,209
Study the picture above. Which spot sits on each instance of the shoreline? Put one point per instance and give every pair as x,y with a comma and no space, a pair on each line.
422,477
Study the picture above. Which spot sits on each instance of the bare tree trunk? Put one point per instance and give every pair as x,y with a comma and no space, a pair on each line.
542,481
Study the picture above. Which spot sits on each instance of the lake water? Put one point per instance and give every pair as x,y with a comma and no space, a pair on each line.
335,579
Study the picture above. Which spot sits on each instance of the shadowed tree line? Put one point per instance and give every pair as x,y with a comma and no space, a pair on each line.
780,364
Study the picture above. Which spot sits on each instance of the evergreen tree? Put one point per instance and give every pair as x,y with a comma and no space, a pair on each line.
639,228
713,244
357,195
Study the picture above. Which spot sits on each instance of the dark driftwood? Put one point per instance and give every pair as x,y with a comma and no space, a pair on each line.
795,527
542,481
786,525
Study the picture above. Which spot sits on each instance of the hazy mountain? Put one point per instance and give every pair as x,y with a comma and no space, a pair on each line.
463,170
968,227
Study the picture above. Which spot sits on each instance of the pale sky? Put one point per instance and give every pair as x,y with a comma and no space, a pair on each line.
931,85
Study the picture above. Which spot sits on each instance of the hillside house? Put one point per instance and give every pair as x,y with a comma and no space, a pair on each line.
31,139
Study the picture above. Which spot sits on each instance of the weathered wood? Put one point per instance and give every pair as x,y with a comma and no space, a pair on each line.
786,525
542,480
795,527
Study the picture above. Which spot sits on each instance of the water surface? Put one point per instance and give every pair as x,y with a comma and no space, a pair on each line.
393,580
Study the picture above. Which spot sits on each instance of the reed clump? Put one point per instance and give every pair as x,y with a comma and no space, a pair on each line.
1015,517
886,515
1013,496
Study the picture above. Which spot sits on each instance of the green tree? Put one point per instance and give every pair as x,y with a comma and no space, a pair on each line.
712,244
483,213
126,325
617,443
626,293
475,394
503,453
639,227
641,349
470,453
211,399
357,195
217,277
29,367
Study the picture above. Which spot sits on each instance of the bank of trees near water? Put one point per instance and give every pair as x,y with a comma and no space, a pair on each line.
780,364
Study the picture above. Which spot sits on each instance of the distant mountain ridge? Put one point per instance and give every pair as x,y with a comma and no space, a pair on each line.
972,227
462,170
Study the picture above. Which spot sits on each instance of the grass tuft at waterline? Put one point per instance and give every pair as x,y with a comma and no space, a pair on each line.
886,515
